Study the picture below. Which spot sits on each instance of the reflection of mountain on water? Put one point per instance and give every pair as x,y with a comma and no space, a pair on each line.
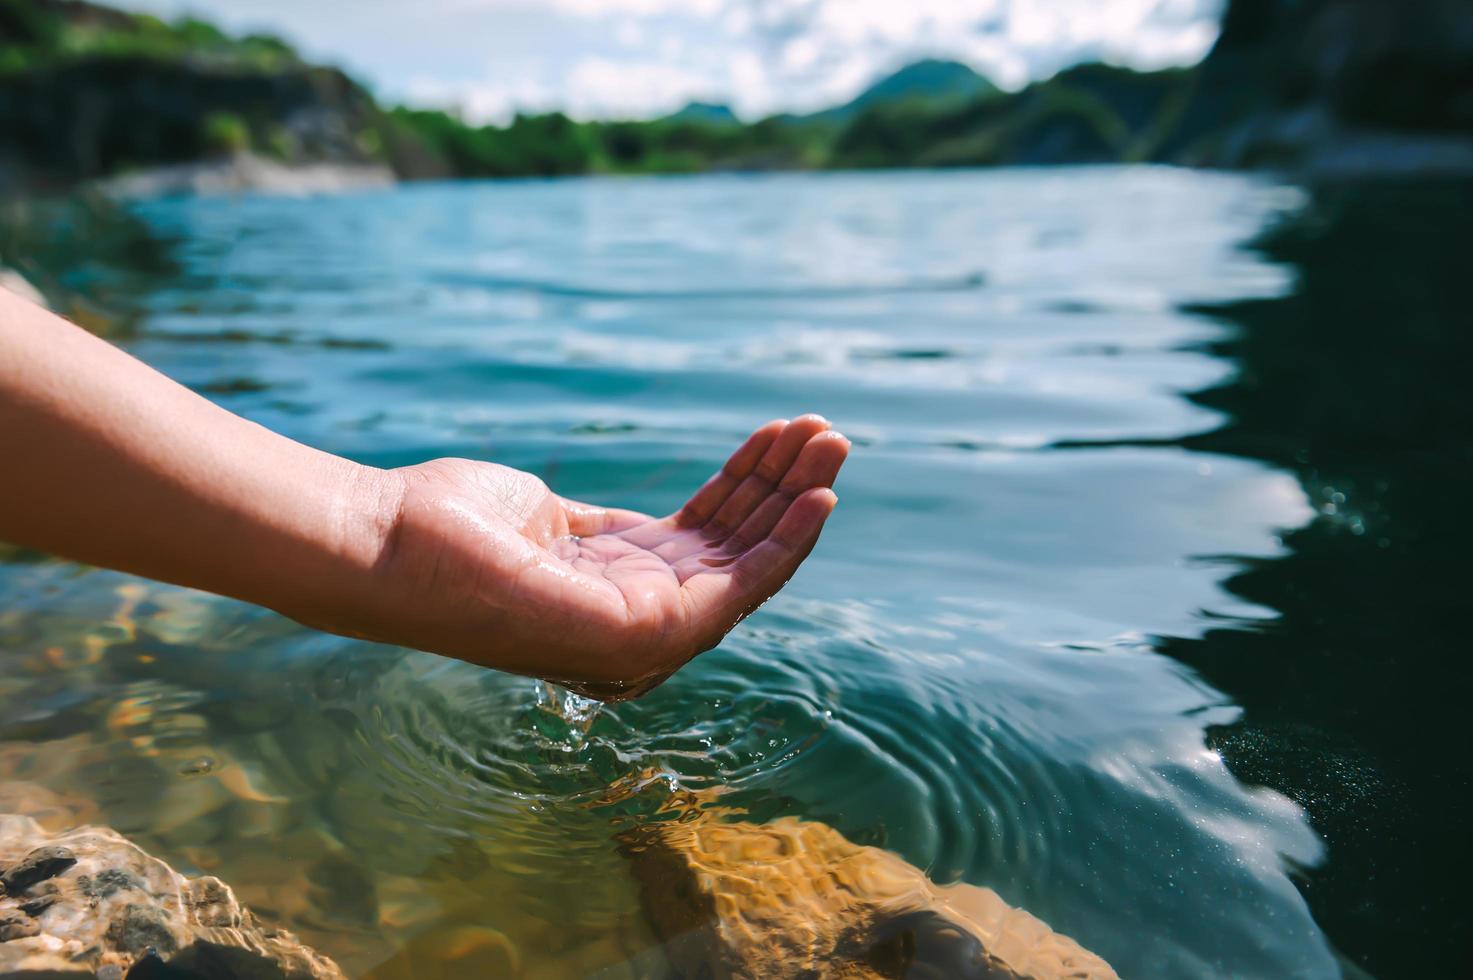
1355,694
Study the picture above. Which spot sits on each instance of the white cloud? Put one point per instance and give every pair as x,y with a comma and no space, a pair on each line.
483,101
605,87
630,34
620,8
642,57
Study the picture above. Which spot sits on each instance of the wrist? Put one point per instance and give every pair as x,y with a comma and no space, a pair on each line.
340,585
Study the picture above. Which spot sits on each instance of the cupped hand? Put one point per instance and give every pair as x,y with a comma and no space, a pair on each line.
486,564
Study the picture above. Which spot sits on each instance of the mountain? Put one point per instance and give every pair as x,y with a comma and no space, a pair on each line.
1090,113
931,79
932,82
711,113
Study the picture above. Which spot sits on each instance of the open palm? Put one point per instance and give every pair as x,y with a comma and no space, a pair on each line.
506,573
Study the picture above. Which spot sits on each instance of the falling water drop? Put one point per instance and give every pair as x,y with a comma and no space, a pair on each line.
576,712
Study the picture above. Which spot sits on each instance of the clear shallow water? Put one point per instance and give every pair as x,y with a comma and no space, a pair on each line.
1045,495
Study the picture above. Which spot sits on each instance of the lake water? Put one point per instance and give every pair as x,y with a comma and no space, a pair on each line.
1143,604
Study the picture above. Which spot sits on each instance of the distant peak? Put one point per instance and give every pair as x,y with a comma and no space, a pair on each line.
708,112
929,79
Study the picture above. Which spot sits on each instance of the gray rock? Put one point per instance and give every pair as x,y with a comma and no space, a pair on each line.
88,902
36,867
15,924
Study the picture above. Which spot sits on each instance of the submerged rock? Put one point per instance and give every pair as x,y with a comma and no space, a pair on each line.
90,902
35,867
794,898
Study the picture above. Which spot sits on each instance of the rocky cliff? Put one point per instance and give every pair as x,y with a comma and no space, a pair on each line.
1335,86
88,91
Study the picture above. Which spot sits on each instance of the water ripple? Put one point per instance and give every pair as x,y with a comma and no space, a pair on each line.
549,287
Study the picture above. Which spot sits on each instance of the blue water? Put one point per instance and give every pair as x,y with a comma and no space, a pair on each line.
967,671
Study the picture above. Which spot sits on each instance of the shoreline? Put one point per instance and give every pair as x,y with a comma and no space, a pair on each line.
246,173
1345,154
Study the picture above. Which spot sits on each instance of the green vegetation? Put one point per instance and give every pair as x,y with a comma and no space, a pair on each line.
553,145
225,132
35,33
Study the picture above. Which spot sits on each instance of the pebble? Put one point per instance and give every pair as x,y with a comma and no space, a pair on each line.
15,925
37,866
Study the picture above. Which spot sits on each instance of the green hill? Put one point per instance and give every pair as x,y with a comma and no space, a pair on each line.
714,113
931,82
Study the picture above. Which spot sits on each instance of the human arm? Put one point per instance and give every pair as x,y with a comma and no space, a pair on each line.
107,461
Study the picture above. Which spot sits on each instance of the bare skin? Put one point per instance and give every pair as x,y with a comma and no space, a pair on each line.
107,461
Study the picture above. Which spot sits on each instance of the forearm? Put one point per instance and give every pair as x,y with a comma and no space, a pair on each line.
108,462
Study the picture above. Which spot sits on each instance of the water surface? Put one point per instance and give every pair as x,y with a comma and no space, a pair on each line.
1062,637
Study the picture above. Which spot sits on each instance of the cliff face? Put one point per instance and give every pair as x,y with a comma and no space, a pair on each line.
1331,84
88,91
88,118
1397,64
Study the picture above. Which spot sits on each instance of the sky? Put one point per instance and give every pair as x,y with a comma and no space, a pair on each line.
642,58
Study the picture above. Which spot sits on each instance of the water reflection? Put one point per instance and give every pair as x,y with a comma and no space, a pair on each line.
1356,692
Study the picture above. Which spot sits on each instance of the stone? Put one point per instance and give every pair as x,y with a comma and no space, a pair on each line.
796,898
88,902
15,924
36,867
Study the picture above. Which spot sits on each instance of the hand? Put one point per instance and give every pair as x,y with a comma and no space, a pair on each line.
484,563
118,466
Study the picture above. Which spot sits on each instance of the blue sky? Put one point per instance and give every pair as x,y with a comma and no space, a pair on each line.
603,58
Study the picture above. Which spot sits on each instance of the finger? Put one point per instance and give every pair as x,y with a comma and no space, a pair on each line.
816,466
772,468
586,519
718,601
707,500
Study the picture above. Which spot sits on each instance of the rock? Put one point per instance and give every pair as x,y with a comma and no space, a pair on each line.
248,173
794,898
1335,88
37,866
15,924
88,902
